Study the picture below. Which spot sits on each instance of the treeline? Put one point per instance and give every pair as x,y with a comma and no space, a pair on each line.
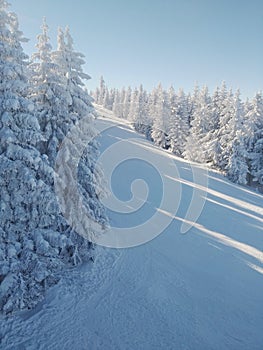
40,100
217,129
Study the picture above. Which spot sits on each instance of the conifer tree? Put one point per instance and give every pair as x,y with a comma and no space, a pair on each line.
160,119
178,122
32,251
254,138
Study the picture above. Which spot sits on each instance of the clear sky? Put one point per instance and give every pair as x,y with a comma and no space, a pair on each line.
177,42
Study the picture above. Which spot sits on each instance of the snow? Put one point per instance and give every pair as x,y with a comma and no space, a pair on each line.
199,290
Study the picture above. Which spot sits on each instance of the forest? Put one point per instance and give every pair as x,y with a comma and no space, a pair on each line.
219,129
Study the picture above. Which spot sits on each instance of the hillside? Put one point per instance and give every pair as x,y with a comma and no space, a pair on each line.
196,285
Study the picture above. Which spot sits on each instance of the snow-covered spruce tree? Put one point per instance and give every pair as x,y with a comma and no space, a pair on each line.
257,162
106,100
150,111
141,121
118,103
51,94
90,177
95,95
117,107
210,120
234,151
196,145
223,105
111,98
159,132
127,102
178,122
31,249
254,139
122,98
237,167
192,100
212,143
134,106
102,91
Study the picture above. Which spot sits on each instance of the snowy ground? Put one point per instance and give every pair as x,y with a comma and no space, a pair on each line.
200,290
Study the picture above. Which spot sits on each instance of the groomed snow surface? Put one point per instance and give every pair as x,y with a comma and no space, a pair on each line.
199,290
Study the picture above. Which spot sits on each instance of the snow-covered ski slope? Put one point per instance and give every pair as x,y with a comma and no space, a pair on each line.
199,290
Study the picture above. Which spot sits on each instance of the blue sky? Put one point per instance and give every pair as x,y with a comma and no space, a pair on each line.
177,42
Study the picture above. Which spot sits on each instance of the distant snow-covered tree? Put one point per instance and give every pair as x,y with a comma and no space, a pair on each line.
254,138
142,100
160,119
141,120
116,107
106,99
111,98
237,167
178,122
102,91
224,132
127,102
234,152
137,106
212,140
134,106
257,161
200,127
